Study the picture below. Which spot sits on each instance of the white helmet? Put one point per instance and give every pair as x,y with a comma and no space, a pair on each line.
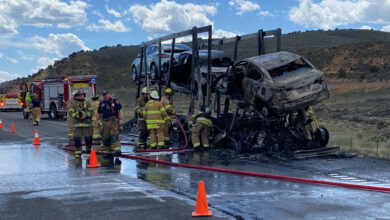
154,95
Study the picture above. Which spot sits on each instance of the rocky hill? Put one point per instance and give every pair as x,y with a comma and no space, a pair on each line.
344,55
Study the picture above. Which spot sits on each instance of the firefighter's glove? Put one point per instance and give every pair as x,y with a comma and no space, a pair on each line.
309,121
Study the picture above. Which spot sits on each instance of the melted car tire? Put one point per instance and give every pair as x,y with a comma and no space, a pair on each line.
321,135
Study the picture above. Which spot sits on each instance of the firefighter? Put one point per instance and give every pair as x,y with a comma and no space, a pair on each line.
36,109
81,111
69,119
166,100
310,118
111,115
28,101
96,122
141,124
155,114
203,127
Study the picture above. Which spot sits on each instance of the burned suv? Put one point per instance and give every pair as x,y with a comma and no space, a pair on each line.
277,83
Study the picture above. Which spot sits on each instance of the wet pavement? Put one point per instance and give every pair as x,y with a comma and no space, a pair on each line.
46,182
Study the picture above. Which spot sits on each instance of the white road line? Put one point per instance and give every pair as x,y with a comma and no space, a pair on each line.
143,191
348,178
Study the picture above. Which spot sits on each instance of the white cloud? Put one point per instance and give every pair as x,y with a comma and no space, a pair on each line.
243,6
168,16
12,60
107,25
113,12
40,13
59,44
218,33
329,14
44,62
23,56
97,14
5,76
365,27
8,58
386,28
264,14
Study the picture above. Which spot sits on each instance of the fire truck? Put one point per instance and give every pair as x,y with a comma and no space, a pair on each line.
55,92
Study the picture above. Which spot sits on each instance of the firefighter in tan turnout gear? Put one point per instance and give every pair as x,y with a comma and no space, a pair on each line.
36,109
96,122
166,100
155,114
81,111
202,128
111,114
141,123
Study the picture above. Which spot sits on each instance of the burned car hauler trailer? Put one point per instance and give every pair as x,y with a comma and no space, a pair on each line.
272,94
55,92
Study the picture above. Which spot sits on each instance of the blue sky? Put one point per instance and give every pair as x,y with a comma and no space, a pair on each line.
35,33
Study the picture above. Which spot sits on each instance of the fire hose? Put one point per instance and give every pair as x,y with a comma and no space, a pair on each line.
237,172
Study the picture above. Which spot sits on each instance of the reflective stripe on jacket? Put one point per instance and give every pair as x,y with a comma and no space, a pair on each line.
168,107
154,114
81,107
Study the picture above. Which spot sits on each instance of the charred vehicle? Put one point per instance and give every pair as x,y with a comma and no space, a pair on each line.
273,94
276,83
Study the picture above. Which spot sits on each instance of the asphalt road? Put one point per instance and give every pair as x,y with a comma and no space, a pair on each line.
47,183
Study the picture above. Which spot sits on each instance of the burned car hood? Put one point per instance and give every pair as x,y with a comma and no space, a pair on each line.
297,78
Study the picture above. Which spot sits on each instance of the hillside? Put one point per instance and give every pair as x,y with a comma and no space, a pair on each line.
341,54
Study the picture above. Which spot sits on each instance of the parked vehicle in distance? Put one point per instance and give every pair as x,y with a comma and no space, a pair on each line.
181,68
152,54
10,101
280,83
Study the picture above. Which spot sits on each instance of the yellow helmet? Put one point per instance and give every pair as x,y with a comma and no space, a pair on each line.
145,90
154,95
168,91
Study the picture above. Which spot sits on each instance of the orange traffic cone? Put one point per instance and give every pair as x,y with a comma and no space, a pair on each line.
36,138
92,160
201,208
1,123
12,128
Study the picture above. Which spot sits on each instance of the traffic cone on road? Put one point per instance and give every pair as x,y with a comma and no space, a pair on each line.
1,123
12,128
36,139
93,160
201,208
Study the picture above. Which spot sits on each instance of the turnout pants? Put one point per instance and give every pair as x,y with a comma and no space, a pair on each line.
80,133
96,129
142,132
157,136
69,123
203,131
36,115
168,124
110,135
